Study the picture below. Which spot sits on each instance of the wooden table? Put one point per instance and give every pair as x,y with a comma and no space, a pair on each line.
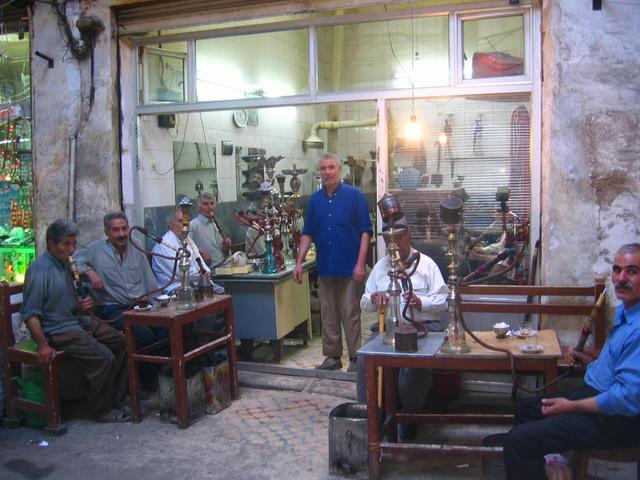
175,320
377,354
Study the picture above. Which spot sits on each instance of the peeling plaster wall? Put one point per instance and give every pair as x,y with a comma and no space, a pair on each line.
61,110
590,139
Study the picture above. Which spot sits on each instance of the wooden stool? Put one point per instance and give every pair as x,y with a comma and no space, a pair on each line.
622,455
14,356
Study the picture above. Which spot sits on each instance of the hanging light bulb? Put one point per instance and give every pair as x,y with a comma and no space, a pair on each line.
413,130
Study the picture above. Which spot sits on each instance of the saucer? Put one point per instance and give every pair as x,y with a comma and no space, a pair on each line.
142,309
525,333
532,348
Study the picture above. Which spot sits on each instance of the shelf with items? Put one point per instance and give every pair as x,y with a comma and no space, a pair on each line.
17,247
249,174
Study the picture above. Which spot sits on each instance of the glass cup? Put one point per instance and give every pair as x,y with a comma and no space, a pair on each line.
532,340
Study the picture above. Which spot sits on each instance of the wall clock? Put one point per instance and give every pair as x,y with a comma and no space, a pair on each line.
240,117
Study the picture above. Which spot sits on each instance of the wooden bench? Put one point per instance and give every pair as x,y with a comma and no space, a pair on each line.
495,299
13,357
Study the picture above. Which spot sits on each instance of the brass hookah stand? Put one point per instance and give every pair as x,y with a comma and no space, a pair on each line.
450,214
397,333
186,299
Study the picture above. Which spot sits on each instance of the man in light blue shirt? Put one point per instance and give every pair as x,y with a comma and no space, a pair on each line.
605,412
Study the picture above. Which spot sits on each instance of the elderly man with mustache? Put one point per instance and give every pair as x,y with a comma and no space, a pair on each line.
605,411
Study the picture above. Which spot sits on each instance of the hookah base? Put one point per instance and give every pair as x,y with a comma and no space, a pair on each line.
455,348
406,339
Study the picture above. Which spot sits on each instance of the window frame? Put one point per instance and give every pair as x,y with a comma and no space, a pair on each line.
530,83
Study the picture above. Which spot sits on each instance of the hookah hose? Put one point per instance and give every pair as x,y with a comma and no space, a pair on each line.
405,279
517,260
244,220
159,241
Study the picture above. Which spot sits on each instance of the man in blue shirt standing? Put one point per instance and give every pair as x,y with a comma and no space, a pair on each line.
337,221
605,412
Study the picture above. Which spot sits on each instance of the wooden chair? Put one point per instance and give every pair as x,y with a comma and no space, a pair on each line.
622,455
555,307
14,355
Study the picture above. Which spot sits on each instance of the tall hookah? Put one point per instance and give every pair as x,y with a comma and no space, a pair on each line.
451,214
397,333
269,265
289,227
186,299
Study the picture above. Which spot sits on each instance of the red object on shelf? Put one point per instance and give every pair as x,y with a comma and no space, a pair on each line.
496,64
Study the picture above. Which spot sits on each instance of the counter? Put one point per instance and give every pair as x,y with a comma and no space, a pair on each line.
268,306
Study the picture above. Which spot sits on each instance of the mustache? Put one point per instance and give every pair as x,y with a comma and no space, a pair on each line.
622,286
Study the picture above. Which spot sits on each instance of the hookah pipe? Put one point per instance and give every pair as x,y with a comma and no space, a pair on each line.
245,220
82,291
225,238
587,327
159,241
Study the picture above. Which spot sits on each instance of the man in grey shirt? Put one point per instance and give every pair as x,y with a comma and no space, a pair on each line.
119,274
205,232
52,311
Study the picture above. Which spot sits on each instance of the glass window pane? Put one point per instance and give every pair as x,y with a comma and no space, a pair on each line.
479,144
381,55
493,47
165,69
266,64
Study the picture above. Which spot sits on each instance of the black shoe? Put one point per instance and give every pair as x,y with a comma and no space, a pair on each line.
353,366
330,363
408,431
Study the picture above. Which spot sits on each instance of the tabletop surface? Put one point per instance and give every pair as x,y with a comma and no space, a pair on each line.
428,346
263,276
170,311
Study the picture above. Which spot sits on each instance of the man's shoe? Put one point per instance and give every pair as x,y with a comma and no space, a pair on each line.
353,367
330,363
408,431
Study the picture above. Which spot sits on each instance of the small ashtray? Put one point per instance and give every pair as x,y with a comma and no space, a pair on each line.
531,348
163,299
143,308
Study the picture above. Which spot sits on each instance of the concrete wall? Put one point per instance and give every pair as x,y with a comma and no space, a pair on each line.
590,142
62,111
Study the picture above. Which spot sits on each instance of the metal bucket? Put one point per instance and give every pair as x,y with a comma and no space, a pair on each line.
348,439
493,468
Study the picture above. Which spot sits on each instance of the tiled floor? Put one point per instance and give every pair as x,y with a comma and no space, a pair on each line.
297,355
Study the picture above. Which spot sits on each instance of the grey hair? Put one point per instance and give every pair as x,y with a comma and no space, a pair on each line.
172,215
330,156
206,195
629,248
113,216
61,228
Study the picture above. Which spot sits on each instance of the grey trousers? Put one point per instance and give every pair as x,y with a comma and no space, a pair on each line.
102,354
340,308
